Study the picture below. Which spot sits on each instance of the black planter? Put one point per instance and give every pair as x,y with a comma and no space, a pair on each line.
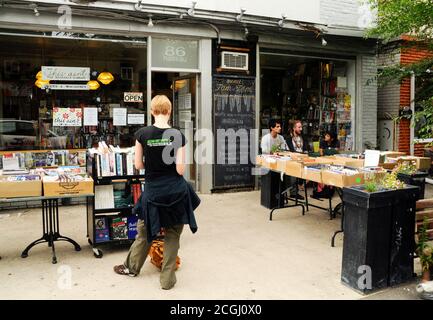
417,179
379,232
269,189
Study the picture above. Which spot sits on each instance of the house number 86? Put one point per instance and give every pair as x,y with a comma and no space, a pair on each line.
175,51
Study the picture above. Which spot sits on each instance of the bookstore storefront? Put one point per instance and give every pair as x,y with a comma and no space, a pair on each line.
59,93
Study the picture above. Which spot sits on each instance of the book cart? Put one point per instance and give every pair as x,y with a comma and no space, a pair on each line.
96,237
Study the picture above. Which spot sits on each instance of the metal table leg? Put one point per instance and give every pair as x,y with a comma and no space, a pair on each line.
281,204
340,205
51,231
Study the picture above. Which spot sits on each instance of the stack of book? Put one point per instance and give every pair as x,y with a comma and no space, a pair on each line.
114,161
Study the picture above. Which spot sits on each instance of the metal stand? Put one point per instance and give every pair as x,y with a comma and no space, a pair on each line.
280,202
340,205
51,233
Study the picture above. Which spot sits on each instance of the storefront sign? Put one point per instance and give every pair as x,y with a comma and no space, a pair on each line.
66,87
136,118
66,73
133,97
67,117
234,109
171,53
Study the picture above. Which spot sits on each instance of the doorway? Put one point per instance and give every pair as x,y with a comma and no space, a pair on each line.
181,89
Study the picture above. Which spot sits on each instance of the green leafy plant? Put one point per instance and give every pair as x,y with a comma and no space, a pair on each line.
276,148
371,186
424,249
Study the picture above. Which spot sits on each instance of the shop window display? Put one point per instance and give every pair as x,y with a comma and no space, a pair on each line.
29,109
316,91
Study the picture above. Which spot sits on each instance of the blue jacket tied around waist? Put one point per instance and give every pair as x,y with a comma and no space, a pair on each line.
165,202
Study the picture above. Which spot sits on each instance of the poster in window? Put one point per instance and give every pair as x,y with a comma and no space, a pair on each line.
67,117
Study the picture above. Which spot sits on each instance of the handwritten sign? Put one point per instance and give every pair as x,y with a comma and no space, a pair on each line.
66,73
133,96
67,117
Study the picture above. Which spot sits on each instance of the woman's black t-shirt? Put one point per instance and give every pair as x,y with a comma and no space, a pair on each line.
159,150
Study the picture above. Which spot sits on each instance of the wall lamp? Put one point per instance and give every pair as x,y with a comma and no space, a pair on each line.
241,15
150,23
34,6
191,11
324,42
281,22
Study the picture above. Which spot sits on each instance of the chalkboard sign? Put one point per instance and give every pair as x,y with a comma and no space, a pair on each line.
233,119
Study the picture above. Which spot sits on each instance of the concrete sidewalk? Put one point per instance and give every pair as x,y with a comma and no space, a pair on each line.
237,253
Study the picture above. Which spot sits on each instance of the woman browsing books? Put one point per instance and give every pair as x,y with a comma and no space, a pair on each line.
168,201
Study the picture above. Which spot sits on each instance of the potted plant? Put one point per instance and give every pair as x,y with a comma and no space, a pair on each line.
379,234
424,251
407,172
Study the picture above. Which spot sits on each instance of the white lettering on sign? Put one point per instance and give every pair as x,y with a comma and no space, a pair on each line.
133,97
66,73
66,87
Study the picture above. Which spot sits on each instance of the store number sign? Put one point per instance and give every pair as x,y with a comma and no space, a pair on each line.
174,53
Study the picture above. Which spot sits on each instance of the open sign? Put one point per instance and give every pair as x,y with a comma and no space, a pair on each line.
133,97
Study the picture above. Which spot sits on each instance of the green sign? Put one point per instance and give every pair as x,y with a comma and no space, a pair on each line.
174,53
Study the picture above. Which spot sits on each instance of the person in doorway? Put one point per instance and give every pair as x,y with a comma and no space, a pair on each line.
168,201
329,145
273,140
295,140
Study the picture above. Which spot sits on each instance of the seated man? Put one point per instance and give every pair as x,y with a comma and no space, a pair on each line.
273,140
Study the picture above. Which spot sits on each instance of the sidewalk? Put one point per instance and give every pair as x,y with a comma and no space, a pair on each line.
237,253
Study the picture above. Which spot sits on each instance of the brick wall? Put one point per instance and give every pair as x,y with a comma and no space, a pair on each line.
419,149
409,54
369,100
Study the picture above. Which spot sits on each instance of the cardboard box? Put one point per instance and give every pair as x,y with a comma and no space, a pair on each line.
312,174
290,167
349,162
17,189
341,180
388,165
325,160
297,156
422,163
56,188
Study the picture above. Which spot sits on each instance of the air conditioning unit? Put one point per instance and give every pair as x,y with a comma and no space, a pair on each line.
234,60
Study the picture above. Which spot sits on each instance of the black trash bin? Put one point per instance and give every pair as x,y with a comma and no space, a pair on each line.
378,237
269,188
416,179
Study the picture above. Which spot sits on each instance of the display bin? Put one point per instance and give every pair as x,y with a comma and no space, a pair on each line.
379,237
417,179
349,162
341,180
291,168
56,188
17,189
312,173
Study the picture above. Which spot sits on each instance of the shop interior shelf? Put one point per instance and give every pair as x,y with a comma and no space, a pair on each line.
108,178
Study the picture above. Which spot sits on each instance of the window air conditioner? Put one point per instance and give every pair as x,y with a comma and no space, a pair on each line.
234,60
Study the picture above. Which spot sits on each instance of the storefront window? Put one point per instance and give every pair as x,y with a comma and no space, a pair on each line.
319,92
97,92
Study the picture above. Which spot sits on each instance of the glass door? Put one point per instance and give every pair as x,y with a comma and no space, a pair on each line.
185,119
